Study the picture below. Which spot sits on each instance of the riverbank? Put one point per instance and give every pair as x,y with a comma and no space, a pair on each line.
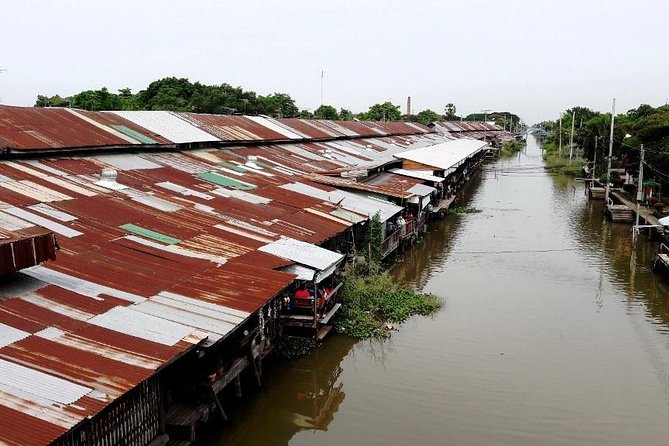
556,162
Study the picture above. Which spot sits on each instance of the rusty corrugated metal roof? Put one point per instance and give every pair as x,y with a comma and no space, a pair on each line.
33,128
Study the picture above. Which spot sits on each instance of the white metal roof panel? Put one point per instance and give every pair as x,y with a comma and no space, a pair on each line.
426,176
52,212
132,322
168,125
302,272
182,190
42,385
29,189
43,222
359,204
80,286
274,127
9,335
197,318
422,190
445,155
178,299
11,223
127,161
57,180
46,168
303,253
157,203
288,128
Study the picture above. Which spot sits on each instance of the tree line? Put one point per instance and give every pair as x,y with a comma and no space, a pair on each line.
645,125
180,94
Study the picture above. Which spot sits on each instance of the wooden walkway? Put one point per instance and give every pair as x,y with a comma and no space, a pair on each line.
645,214
444,204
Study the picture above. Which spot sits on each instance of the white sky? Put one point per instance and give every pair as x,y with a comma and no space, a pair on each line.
533,58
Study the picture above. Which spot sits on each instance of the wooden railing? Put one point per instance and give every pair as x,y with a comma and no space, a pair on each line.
390,243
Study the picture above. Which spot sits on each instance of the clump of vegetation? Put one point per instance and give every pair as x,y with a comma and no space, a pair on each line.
511,147
558,164
463,210
291,347
370,302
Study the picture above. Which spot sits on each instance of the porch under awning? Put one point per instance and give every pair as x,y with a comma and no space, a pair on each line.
312,262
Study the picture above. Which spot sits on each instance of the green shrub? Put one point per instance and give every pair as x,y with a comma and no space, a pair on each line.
370,302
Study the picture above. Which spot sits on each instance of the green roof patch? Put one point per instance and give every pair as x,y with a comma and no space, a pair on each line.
224,181
133,134
153,235
234,167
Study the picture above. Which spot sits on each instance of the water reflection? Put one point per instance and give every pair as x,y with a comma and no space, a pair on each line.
298,395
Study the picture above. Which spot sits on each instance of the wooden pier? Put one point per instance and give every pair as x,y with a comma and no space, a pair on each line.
596,192
625,210
661,262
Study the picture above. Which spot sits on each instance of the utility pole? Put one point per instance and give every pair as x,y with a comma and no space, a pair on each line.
608,168
594,162
485,127
322,75
639,189
560,146
571,136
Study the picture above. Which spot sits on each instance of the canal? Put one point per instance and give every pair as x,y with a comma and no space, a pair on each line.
554,331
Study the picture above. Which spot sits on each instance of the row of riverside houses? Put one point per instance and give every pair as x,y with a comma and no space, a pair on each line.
149,258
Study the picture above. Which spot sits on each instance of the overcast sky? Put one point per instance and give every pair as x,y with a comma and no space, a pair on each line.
533,58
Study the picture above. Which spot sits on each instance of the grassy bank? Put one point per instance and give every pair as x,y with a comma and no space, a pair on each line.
560,163
370,302
511,147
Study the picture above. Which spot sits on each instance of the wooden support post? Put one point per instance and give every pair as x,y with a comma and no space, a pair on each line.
254,367
238,387
219,405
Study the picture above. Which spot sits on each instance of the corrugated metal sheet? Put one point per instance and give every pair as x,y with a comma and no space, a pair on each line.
385,184
34,128
275,127
425,176
58,228
303,253
233,128
446,155
128,128
134,322
168,125
360,205
305,127
422,190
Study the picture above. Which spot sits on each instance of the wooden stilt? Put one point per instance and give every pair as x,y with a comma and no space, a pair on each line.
220,406
238,387
254,367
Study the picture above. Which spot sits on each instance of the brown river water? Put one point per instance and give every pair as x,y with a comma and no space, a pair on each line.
554,331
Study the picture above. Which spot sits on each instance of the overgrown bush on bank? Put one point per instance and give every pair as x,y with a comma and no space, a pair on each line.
370,302
511,147
463,210
559,162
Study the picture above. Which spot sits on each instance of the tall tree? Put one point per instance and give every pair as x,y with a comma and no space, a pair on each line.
96,100
169,93
427,116
345,114
449,112
280,105
326,112
382,112
53,101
